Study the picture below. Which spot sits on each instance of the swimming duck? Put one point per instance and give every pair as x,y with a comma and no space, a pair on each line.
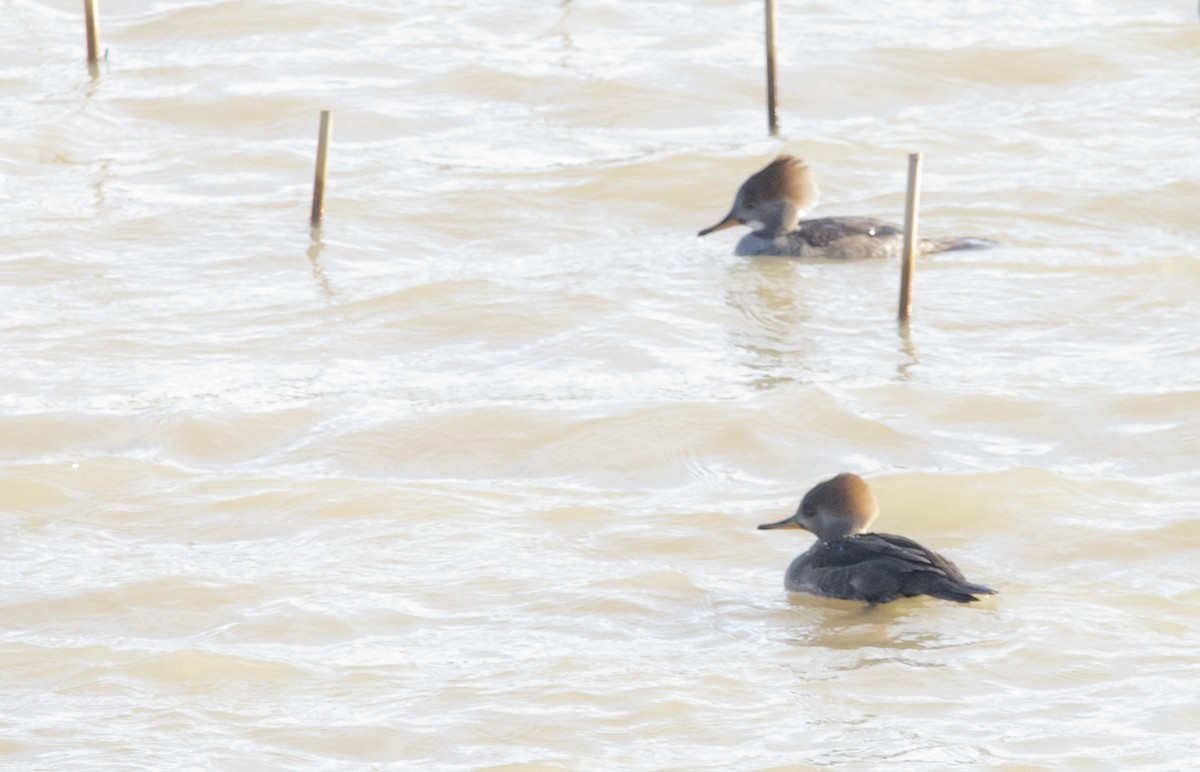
847,563
773,200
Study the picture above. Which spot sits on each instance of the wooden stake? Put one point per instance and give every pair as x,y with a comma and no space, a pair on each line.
318,205
93,33
772,107
911,203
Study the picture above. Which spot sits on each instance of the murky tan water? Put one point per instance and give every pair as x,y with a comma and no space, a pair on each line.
470,477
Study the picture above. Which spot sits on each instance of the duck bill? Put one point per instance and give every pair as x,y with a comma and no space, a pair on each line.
787,522
729,222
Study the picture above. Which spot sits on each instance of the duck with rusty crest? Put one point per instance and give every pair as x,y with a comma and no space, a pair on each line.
773,201
848,563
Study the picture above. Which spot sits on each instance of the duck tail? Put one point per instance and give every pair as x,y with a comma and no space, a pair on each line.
929,246
959,592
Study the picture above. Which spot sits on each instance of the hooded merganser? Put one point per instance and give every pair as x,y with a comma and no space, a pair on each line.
773,200
849,564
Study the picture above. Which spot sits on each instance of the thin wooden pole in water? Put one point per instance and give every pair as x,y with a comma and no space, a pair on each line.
911,202
93,33
772,107
318,205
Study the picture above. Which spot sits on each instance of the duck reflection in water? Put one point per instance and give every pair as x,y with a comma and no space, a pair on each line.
849,564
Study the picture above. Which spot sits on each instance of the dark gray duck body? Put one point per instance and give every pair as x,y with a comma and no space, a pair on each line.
878,568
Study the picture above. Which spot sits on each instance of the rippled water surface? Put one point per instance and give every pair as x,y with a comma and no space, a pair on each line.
469,477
